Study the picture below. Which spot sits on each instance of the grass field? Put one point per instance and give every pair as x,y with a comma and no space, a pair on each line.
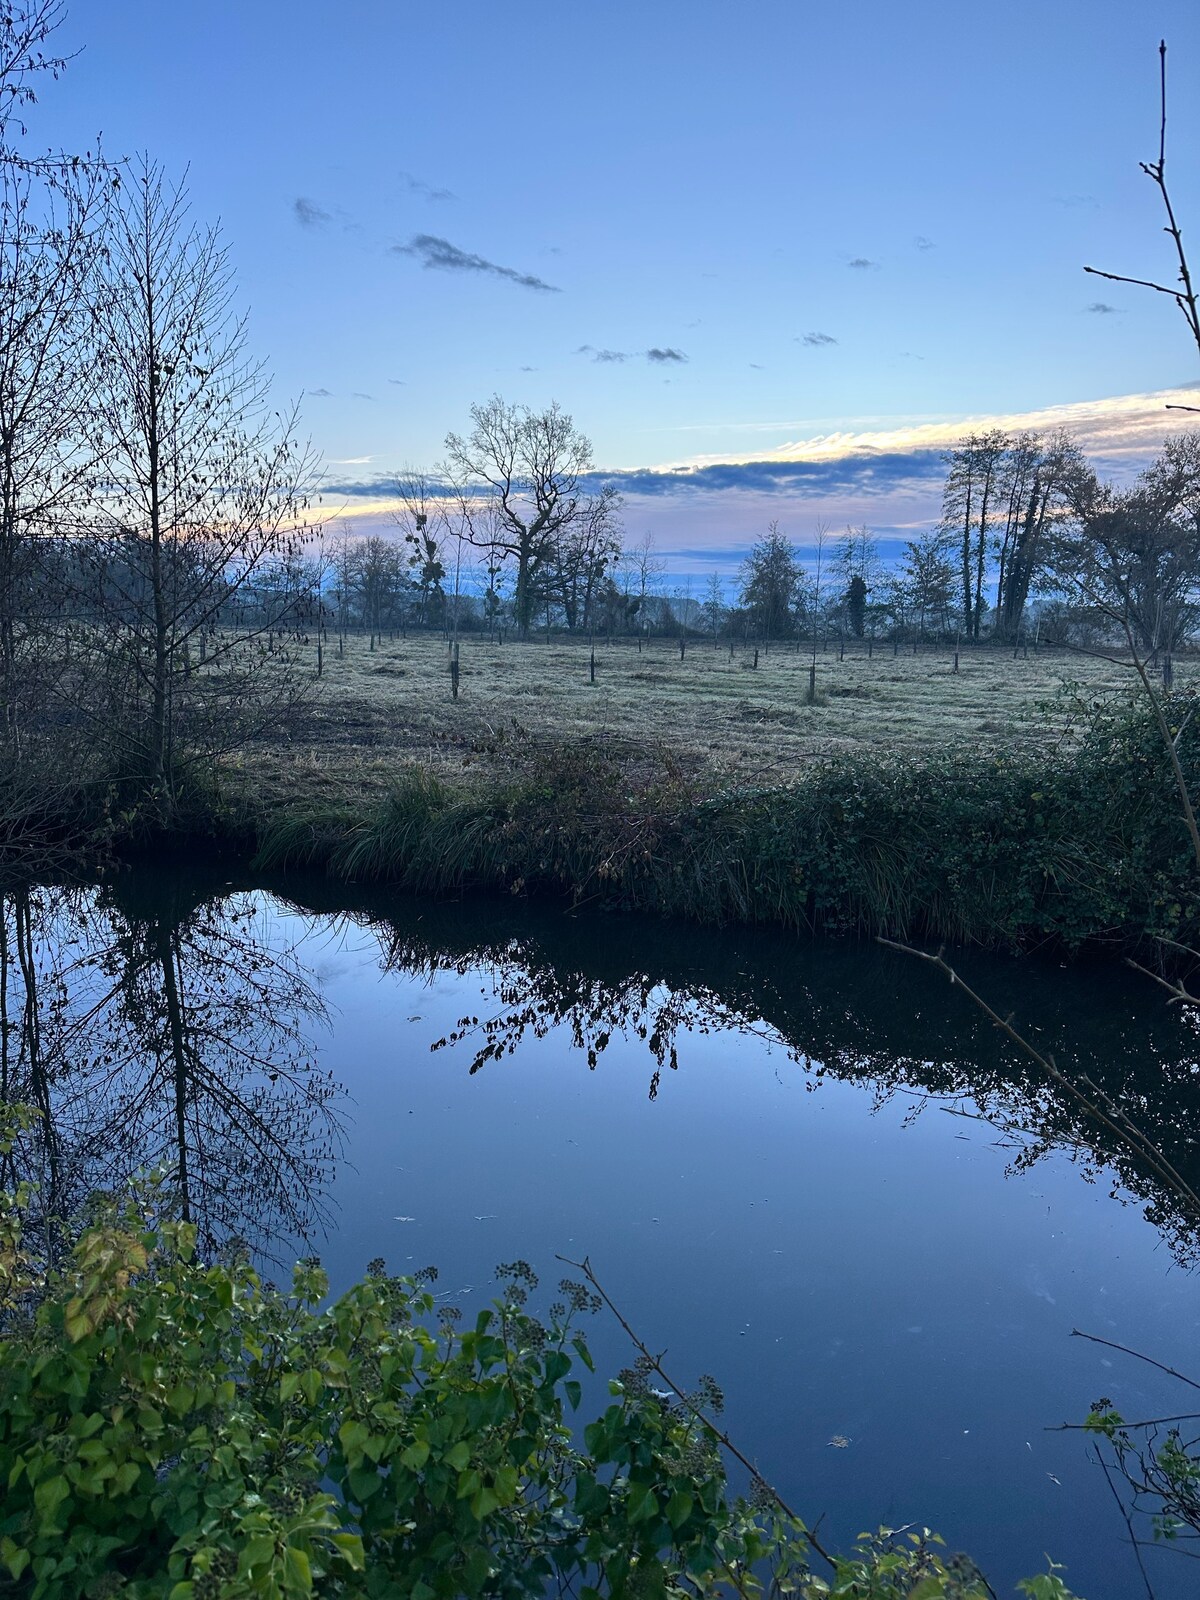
715,715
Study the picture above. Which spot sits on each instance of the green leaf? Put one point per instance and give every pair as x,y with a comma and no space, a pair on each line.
297,1572
14,1557
417,1454
573,1390
49,1495
679,1507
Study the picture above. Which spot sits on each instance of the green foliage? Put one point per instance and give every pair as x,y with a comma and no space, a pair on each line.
180,1429
1084,847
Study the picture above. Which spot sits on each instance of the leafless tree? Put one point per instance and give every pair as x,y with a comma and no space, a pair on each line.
530,467
203,486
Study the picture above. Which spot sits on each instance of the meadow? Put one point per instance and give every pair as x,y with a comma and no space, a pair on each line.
714,715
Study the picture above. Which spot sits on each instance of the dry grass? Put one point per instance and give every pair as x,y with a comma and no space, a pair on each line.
711,713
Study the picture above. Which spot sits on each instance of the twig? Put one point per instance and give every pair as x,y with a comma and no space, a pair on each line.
1176,990
1094,1338
1148,1422
1133,1538
1184,296
655,1363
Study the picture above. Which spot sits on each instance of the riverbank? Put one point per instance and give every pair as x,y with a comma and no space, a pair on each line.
1072,845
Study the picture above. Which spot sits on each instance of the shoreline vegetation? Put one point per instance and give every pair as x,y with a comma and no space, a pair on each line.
1069,836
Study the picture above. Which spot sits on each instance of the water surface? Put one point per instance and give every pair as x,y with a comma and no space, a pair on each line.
811,1170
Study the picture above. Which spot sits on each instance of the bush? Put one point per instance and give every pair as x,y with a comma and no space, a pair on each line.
171,1428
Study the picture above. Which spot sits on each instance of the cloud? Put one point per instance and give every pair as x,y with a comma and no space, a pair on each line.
888,477
309,214
351,461
528,369
871,475
602,355
359,395
399,382
755,367
862,264
816,339
439,255
657,356
1074,202
1101,308
319,394
416,185
922,243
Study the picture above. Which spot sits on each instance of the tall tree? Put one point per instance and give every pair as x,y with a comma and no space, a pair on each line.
201,488
969,508
1135,553
771,579
1044,481
530,468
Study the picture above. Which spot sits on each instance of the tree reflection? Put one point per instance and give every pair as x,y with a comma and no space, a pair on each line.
866,1016
169,1032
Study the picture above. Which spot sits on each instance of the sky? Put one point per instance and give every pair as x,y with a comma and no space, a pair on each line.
773,259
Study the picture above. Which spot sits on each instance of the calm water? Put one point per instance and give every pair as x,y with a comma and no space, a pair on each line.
809,1170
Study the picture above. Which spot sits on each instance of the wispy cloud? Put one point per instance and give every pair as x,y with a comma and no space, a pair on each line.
815,339
922,243
399,382
658,355
528,369
351,461
318,394
1101,308
309,214
862,264
416,185
439,255
602,355
359,395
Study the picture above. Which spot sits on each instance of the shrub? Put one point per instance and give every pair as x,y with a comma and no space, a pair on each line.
180,1429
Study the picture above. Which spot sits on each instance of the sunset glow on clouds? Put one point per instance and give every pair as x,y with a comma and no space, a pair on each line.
705,512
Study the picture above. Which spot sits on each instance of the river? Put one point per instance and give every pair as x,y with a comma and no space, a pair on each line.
813,1170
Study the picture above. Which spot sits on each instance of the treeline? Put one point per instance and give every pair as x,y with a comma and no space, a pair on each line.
1031,541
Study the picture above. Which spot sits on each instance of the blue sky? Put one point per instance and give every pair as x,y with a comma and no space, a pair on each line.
791,222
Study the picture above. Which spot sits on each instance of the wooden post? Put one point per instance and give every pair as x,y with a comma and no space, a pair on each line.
895,647
454,672
592,665
957,642
756,658
682,646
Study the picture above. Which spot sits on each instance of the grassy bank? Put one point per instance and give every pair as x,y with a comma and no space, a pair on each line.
1080,845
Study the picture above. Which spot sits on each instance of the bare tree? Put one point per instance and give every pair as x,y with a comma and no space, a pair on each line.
530,467
1135,553
424,523
202,487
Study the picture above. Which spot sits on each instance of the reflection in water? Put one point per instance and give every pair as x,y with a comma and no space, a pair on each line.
167,1031
170,1024
880,1019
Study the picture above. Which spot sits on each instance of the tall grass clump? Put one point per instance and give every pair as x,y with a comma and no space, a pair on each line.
1084,846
